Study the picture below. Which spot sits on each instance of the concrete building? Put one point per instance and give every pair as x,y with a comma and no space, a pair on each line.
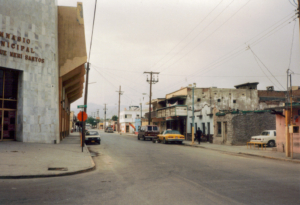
42,56
236,128
127,119
175,110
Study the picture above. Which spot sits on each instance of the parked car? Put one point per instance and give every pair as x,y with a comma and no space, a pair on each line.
170,136
267,136
109,130
148,132
92,137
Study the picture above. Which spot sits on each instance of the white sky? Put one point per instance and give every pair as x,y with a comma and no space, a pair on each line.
187,41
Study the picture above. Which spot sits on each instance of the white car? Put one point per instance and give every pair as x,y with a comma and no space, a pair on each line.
267,136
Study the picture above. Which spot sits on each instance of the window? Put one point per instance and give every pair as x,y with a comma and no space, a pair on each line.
195,126
155,128
219,100
203,128
219,128
191,127
275,133
149,128
234,101
125,116
199,99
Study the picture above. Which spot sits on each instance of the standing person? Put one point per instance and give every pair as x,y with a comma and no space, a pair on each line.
199,134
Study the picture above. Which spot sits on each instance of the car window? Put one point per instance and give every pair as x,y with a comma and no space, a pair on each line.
266,133
93,133
275,133
172,132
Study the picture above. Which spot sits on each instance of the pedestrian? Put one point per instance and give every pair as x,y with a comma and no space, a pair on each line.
199,134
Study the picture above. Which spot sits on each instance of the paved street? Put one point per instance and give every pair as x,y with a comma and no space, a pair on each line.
140,172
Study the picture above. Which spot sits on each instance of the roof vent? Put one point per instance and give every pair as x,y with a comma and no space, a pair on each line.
270,88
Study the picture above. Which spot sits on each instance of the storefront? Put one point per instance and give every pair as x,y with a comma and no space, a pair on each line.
42,56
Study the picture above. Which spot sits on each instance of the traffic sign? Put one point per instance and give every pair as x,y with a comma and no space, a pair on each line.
82,116
81,106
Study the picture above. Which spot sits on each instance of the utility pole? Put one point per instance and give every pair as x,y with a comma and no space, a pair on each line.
87,65
151,81
104,116
193,114
120,93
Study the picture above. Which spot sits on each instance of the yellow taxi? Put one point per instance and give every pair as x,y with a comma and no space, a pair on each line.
170,136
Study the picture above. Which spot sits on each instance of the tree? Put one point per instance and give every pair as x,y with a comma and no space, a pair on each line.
114,118
91,121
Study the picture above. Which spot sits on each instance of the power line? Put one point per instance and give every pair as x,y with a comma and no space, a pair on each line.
208,36
197,35
187,35
226,58
92,30
292,46
266,67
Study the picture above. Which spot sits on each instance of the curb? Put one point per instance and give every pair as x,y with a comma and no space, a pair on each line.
93,167
247,154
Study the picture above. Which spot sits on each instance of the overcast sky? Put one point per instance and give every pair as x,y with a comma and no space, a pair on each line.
218,43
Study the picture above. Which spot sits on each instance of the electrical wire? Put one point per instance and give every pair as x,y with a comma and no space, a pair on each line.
208,36
226,58
292,3
292,46
266,67
92,31
198,34
187,35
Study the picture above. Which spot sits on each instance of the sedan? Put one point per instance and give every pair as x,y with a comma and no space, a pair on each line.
92,137
170,136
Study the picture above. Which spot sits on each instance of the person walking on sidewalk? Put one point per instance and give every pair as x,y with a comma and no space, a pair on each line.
199,134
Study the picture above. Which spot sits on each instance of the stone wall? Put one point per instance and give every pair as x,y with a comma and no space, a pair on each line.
240,127
251,124
33,24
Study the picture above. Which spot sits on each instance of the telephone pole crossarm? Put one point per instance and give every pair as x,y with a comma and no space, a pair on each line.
151,81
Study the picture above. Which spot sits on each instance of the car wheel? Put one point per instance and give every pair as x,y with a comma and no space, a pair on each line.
164,141
271,143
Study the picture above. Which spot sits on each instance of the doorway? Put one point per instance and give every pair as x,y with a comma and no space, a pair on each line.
8,103
127,128
224,134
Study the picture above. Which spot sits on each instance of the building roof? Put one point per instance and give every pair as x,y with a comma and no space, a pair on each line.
246,84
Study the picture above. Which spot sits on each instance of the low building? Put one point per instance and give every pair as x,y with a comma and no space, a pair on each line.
128,117
175,110
282,138
237,127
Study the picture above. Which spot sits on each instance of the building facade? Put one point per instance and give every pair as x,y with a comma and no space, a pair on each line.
175,110
36,69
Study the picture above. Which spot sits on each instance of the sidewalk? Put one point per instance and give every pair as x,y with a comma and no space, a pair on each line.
242,150
31,160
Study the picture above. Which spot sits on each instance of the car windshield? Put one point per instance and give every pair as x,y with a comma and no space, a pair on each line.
265,133
93,133
149,128
172,132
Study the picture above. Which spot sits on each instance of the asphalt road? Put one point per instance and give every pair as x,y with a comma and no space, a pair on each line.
140,172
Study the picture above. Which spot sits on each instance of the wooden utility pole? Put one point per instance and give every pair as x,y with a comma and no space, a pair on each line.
85,101
104,116
120,93
151,81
